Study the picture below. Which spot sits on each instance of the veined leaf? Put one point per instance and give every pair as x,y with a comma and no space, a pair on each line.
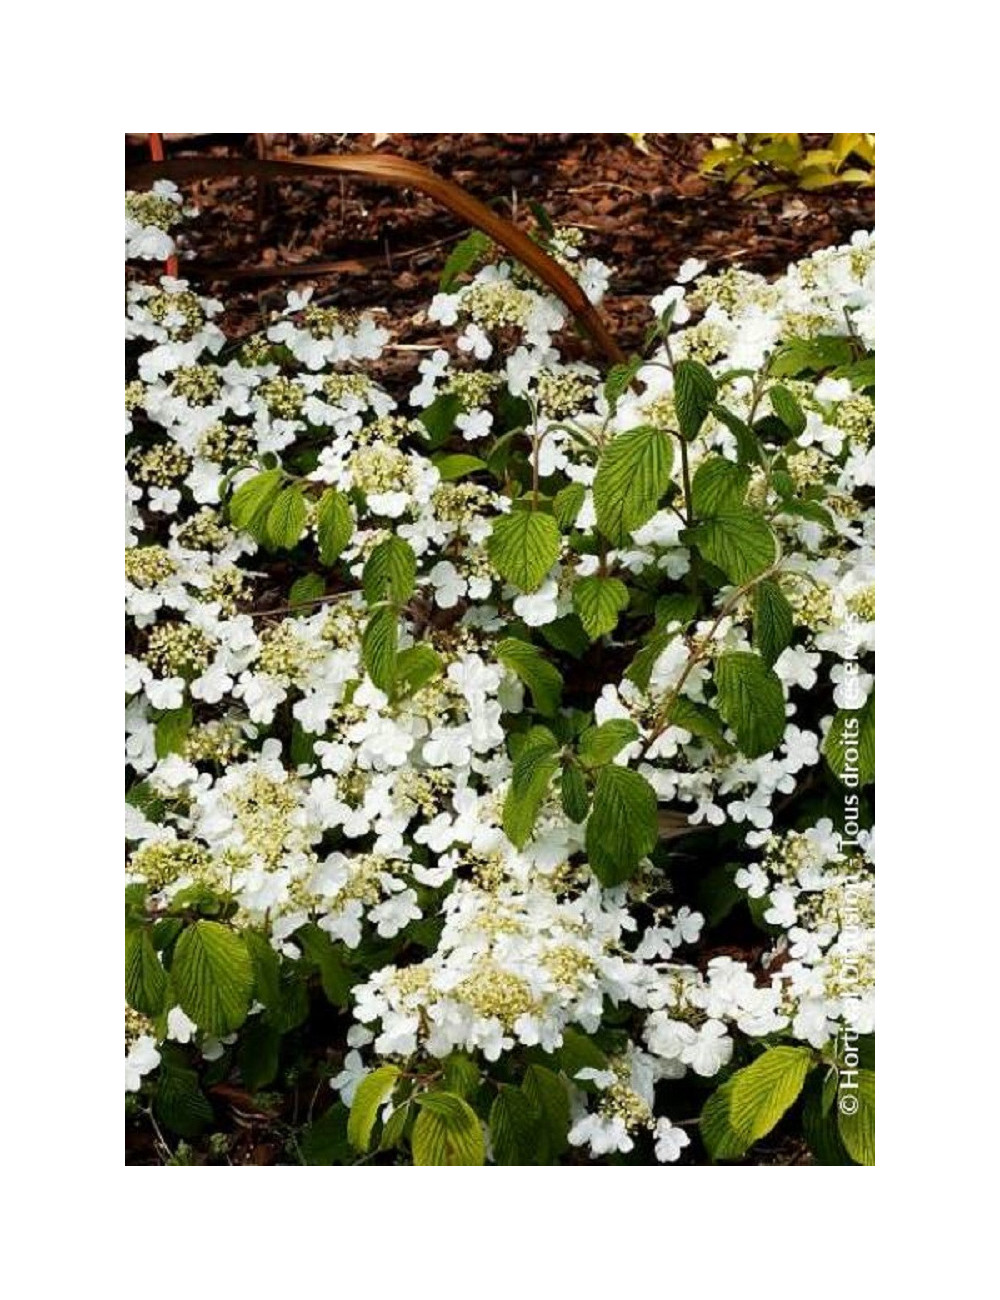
773,620
622,826
213,977
599,601
694,393
751,700
632,475
390,572
531,666
447,1132
371,1092
739,542
523,546
334,525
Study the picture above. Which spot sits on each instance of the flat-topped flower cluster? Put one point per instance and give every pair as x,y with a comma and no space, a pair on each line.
503,710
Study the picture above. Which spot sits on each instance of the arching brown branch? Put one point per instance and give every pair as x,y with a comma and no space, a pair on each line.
410,175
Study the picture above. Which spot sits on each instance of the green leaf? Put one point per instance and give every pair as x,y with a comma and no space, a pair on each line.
773,620
718,485
786,408
252,500
633,473
748,450
750,1104
439,418
418,665
531,666
575,796
325,1142
566,634
390,572
694,393
145,978
751,700
380,649
739,542
369,1095
857,1128
514,1123
600,744
599,601
819,1125
523,546
461,1075
320,950
457,466
266,969
579,1052
172,730
447,1132
849,748
547,1094
334,525
622,827
701,721
179,1103
286,519
534,767
307,590
212,977
619,380
567,504
814,355
466,253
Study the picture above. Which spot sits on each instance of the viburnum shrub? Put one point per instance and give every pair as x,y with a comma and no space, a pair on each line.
500,742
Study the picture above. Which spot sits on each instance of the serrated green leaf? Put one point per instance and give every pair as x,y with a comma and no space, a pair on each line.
320,950
307,590
447,1132
773,620
751,1103
523,546
457,466
751,700
574,793
718,485
390,572
179,1104
622,827
599,601
567,504
748,450
786,407
739,542
266,969
334,525
694,393
145,978
462,258
857,1127
531,666
514,1123
439,418
534,767
371,1092
286,519
212,977
849,748
547,1093
620,379
601,744
633,473
701,721
251,502
418,665
172,730
380,648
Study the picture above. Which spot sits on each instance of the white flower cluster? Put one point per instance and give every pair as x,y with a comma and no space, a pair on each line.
303,793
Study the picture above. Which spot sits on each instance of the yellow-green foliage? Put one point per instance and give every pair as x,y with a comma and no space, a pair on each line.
767,164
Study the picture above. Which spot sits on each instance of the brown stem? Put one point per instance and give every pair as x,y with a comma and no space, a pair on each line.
404,173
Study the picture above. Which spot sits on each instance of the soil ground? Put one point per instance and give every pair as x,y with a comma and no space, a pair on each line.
642,213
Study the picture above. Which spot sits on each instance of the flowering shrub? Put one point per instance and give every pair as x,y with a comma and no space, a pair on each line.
499,753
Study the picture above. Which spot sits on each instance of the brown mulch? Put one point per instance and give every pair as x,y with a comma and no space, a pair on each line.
643,214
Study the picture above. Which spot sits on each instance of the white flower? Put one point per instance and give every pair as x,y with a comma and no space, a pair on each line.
449,585
539,607
166,694
670,1141
142,1057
